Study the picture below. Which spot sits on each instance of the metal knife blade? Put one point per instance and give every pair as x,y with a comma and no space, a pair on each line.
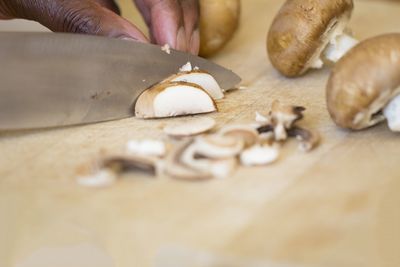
58,79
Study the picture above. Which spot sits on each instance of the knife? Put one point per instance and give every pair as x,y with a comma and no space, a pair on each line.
58,79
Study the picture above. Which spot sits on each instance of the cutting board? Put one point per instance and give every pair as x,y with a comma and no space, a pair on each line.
336,206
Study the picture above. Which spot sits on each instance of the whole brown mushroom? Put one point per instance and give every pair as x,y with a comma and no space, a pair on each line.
218,22
305,33
364,87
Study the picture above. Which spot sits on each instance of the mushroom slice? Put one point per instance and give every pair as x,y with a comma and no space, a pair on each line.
202,78
186,67
178,169
284,117
172,99
303,29
121,164
99,178
218,168
166,48
218,146
192,126
308,139
246,133
146,147
259,155
364,82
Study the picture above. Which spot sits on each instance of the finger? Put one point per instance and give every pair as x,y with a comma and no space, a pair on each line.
190,11
164,18
110,4
76,16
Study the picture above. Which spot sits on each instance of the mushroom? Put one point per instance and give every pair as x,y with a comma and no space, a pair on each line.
259,155
283,117
202,78
364,85
246,133
218,146
190,127
308,139
171,99
98,178
218,22
305,33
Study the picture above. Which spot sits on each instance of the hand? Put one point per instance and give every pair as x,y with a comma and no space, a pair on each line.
170,21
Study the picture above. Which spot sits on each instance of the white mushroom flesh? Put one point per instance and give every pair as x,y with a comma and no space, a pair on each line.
166,48
190,127
339,46
259,155
147,147
204,80
182,100
186,67
100,178
392,114
218,147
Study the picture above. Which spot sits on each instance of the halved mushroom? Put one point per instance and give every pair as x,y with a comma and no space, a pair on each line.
171,99
218,22
304,33
366,82
259,155
243,132
202,78
192,126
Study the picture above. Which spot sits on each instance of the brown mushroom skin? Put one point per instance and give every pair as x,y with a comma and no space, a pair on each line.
299,32
364,81
218,22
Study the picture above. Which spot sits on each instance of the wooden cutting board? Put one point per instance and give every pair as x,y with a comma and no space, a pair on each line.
337,206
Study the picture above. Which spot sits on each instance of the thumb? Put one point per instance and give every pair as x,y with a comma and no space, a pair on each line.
75,16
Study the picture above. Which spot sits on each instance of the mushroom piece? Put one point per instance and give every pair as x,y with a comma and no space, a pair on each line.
259,155
366,82
218,147
283,117
202,78
190,127
308,139
304,33
246,133
218,22
146,147
172,99
98,178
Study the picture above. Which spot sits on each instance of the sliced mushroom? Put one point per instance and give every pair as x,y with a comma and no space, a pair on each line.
259,155
392,114
186,67
192,126
202,79
218,22
302,30
283,118
308,139
365,82
218,168
166,48
147,147
218,146
178,169
172,99
121,164
246,133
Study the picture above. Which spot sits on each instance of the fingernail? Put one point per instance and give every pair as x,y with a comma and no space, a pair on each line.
181,43
195,42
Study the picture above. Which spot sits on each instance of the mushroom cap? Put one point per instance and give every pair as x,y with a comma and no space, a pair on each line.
218,22
364,81
301,30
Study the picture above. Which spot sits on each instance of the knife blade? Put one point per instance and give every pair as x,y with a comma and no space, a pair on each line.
58,79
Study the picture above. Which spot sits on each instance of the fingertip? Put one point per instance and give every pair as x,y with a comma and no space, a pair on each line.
194,44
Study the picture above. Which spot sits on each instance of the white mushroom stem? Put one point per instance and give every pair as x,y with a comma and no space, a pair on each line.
338,47
392,114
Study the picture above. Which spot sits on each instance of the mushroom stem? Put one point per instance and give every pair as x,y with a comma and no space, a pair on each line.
338,47
392,114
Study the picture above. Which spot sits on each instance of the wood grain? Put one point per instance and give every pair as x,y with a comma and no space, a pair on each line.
337,206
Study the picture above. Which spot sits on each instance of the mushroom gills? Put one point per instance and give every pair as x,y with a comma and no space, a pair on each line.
392,114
